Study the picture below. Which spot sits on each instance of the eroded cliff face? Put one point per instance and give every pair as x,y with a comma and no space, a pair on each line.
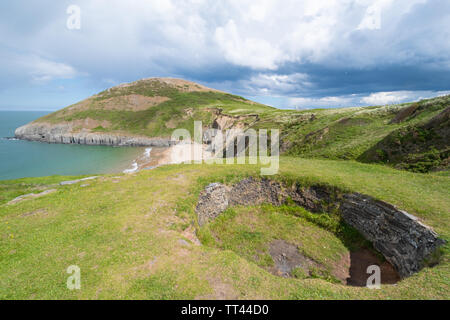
225,122
67,134
402,239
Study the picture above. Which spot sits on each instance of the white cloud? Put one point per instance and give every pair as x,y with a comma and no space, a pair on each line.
254,52
381,98
276,84
373,99
395,97
41,69
318,31
325,102
33,68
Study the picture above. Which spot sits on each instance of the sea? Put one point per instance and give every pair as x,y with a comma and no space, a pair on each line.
20,159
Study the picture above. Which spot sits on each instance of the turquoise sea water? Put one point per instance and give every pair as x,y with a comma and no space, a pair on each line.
19,159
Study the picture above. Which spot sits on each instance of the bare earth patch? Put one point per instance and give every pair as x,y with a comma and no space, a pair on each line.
88,124
359,262
287,257
351,270
132,102
35,212
186,86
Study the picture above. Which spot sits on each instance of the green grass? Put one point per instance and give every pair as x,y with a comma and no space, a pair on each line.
10,189
249,231
125,234
356,133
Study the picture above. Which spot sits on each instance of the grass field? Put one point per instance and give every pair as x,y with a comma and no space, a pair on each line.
135,236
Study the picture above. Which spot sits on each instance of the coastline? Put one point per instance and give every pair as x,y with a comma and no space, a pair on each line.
65,133
154,157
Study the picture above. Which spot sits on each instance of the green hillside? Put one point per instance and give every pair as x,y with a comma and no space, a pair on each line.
153,108
413,136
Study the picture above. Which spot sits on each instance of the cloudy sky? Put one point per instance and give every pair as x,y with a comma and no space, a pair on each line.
286,53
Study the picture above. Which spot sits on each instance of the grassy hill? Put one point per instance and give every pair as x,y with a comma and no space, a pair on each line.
153,108
136,236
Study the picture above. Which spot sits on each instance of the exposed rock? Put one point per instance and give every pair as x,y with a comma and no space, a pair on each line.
314,199
213,201
404,241
224,122
399,236
65,183
183,242
31,196
253,192
250,191
64,133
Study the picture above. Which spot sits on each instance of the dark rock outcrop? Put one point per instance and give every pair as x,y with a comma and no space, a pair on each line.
404,241
212,202
253,192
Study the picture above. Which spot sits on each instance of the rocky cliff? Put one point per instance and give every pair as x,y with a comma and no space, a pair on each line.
63,133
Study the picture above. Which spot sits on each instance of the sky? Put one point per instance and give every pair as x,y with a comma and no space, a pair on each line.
285,53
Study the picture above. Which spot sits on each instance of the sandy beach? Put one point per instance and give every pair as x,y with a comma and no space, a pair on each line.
154,157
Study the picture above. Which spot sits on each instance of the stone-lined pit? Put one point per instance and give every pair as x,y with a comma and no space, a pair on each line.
401,238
